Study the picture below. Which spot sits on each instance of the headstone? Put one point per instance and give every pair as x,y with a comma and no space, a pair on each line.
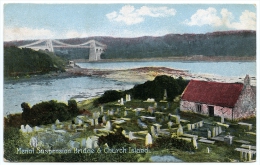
249,156
95,144
108,125
128,97
57,122
80,122
170,124
178,119
111,113
125,113
83,143
155,105
153,131
189,127
201,123
209,134
101,110
213,132
108,112
222,119
216,129
207,149
228,139
131,137
91,122
148,140
33,142
122,101
219,129
89,143
192,126
104,119
180,130
96,121
23,129
194,141
28,129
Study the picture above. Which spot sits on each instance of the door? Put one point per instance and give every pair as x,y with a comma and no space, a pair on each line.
211,111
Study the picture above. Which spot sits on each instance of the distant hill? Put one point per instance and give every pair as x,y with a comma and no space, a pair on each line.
227,43
24,62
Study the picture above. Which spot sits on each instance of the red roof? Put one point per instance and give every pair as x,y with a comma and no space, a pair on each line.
213,93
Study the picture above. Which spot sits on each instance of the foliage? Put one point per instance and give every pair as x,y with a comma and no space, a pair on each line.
150,89
26,61
12,141
167,142
155,89
108,96
48,112
113,139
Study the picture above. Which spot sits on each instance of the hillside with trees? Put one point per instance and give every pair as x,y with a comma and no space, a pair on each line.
226,43
26,61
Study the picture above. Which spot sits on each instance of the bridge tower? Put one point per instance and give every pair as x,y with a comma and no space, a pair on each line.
49,45
95,51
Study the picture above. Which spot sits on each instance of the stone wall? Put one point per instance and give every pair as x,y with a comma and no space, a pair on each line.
246,105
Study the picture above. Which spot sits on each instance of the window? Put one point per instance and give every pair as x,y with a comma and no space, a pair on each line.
198,108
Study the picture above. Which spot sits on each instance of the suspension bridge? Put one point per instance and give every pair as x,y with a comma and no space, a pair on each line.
95,48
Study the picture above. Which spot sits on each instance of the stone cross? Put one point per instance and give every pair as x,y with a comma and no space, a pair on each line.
148,140
89,143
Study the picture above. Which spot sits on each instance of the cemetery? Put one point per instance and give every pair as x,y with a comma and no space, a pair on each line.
159,128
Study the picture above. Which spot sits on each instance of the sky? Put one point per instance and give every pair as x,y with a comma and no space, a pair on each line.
25,21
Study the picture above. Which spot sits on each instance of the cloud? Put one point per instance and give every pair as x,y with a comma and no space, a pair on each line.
129,15
24,33
75,34
210,17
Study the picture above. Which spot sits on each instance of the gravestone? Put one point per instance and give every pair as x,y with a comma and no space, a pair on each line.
155,105
33,142
216,129
213,132
96,121
122,101
170,124
131,137
104,119
108,112
177,119
108,125
89,143
148,140
189,127
209,134
222,119
194,141
80,122
53,127
153,131
207,149
57,122
128,97
28,129
192,126
219,130
228,139
92,122
101,110
180,130
23,129
201,123
83,143
95,144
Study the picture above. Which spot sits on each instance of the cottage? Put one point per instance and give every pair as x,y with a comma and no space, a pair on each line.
230,100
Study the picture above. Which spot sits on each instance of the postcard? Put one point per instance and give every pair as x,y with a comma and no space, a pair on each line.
129,82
